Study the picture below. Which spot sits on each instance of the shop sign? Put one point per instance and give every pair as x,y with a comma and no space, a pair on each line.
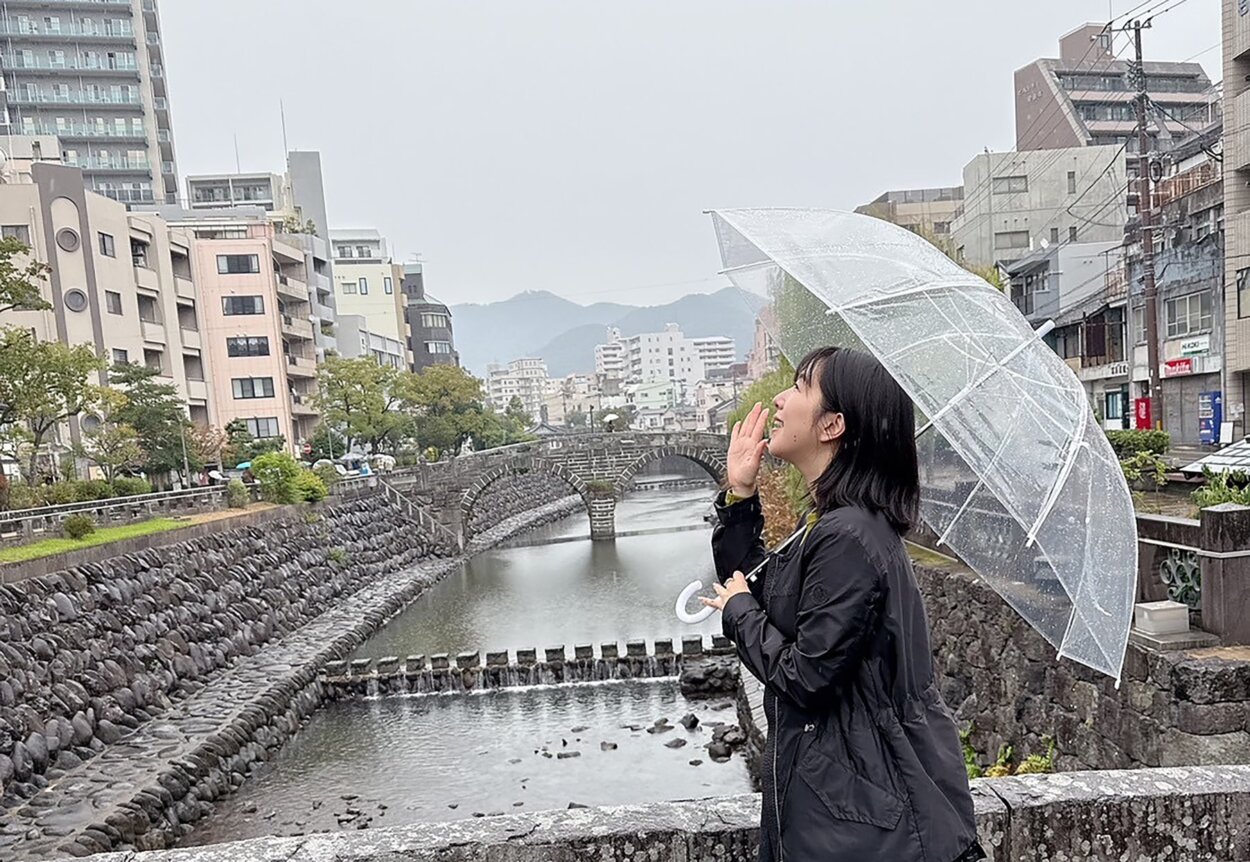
1199,345
1141,413
1178,367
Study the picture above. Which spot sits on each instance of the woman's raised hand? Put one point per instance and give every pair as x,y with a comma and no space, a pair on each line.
746,449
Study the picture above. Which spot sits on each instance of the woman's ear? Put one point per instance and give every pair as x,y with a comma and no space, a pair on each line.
832,427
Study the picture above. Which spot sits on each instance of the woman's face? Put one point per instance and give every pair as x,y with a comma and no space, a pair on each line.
802,429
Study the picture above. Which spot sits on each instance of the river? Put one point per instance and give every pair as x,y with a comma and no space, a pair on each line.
427,758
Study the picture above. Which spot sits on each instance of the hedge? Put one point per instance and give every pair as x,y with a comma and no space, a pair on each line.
1128,443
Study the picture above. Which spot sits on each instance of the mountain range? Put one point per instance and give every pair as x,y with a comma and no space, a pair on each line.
564,334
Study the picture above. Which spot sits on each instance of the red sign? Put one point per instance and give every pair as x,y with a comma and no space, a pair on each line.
1177,367
1141,407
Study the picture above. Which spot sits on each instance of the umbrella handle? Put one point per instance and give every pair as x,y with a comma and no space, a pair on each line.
699,615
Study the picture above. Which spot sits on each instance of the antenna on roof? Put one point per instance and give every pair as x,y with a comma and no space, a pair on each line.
282,113
237,168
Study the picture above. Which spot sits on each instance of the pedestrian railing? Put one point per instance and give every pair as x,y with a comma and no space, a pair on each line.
23,525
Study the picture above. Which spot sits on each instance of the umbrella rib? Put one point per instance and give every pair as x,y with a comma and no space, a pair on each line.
1002,446
927,287
1078,443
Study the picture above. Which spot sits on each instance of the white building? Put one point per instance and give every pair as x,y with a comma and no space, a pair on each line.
521,378
666,355
368,283
355,340
716,352
610,358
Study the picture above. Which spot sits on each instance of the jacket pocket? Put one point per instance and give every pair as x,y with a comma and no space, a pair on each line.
846,794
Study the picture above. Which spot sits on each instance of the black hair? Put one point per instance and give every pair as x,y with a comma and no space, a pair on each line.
875,466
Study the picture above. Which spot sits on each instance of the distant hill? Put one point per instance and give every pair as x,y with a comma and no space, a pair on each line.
564,333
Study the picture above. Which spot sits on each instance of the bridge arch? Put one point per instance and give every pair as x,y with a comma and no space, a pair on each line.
712,462
504,471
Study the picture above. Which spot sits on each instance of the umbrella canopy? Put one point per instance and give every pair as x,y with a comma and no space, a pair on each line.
1016,476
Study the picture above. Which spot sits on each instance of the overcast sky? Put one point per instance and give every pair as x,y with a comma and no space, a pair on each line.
571,146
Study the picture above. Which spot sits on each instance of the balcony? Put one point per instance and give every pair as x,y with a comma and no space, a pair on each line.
69,31
152,331
184,287
127,196
95,163
197,391
145,279
95,133
191,338
300,366
34,65
103,100
294,327
293,288
301,405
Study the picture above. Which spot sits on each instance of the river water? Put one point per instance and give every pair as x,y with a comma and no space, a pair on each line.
413,759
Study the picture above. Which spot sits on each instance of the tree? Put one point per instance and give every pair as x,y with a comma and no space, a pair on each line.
159,416
445,405
20,283
517,413
206,444
575,419
622,418
363,398
241,447
43,383
112,445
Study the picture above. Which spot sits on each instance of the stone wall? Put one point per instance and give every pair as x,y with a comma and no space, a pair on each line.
1189,707
1194,814
516,494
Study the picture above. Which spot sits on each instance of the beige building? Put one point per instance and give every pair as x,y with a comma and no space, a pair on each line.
368,283
1236,21
1084,97
924,211
121,282
257,332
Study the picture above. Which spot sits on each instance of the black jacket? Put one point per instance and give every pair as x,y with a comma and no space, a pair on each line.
863,760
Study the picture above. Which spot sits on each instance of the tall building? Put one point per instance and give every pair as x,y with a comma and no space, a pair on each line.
611,358
355,340
1017,201
765,354
1085,97
367,282
257,331
922,211
666,355
1236,27
715,352
521,378
430,339
121,282
295,204
92,73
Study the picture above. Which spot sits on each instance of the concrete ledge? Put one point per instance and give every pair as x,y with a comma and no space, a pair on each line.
1195,814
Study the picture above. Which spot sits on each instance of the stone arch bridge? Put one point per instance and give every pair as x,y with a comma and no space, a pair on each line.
596,467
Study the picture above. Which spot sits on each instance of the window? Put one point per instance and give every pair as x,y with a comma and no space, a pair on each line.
1243,283
17,231
1188,315
113,301
348,287
344,251
1054,235
1010,185
1071,182
237,264
434,321
249,345
388,286
120,357
1115,405
362,251
261,427
1012,239
252,387
364,285
242,305
941,227
1072,234
438,347
107,247
1139,325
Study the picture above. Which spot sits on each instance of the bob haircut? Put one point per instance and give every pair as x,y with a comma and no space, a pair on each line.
875,466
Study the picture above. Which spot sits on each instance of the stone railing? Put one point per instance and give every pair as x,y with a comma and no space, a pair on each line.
25,525
465,672
1195,814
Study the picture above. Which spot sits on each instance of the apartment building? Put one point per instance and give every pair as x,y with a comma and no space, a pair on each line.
611,358
666,355
928,212
367,281
93,74
1236,155
521,378
257,329
430,337
295,204
120,281
714,352
765,354
1016,202
356,340
1085,97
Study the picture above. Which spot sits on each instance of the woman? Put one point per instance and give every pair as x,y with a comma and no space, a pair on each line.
863,760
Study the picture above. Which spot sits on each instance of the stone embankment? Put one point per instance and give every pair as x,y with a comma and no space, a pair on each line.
442,673
136,690
517,494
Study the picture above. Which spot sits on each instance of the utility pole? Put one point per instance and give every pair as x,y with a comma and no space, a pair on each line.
1145,216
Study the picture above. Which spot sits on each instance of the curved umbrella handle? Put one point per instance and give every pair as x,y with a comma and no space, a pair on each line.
699,615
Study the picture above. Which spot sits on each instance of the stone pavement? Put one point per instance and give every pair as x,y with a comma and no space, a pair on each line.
145,789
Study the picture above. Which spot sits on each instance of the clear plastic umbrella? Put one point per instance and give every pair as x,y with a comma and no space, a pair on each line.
1016,476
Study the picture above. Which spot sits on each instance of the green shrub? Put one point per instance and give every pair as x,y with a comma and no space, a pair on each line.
328,474
94,489
338,556
131,486
59,493
78,526
1230,487
277,474
1128,443
309,487
237,495
22,496
1145,470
